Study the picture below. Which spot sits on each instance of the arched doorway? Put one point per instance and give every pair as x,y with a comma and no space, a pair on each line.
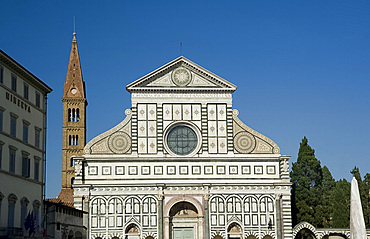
132,232
267,237
305,233
183,221
251,237
78,235
234,231
71,235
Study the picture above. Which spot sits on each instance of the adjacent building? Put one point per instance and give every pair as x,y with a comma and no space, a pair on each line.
182,165
22,147
63,220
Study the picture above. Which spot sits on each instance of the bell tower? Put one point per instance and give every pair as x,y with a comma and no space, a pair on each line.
74,121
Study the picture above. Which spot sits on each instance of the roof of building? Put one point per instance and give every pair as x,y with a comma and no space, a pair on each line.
13,64
59,202
66,197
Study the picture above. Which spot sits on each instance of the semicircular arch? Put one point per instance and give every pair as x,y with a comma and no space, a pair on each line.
191,200
234,195
304,225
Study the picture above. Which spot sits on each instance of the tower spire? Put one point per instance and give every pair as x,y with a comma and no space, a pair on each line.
74,87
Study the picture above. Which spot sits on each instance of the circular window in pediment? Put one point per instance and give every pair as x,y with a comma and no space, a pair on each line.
182,140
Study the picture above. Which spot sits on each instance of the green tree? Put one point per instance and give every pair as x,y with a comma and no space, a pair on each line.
328,184
307,177
367,200
340,200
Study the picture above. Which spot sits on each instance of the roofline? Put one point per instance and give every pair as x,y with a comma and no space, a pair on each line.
182,89
23,71
173,61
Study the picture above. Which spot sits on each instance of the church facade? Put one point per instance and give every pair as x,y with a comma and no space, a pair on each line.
182,165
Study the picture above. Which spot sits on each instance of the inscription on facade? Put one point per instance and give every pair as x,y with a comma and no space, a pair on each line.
18,102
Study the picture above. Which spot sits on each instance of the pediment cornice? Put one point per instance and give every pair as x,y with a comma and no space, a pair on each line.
212,82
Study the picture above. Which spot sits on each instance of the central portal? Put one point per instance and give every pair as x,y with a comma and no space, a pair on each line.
184,222
183,233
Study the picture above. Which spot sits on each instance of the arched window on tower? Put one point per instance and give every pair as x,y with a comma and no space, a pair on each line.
69,115
73,140
73,115
77,115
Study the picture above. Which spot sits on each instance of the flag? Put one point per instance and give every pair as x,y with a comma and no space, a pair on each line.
32,224
27,221
43,226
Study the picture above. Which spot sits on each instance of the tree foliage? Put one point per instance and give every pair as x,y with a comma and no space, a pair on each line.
307,176
340,204
320,200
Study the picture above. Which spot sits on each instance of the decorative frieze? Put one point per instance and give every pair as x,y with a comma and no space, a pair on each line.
187,170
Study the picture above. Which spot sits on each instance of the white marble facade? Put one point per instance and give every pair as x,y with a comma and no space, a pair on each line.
183,165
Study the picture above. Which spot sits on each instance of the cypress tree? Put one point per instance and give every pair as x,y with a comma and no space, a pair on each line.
328,184
340,200
307,176
367,200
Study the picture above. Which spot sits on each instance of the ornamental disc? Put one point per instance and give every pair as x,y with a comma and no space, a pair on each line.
244,142
181,76
119,142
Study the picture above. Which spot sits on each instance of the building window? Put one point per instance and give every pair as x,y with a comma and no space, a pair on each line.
36,212
1,201
12,199
25,91
1,74
73,140
1,119
14,83
182,140
37,137
37,168
13,125
1,154
25,131
12,152
26,162
24,204
37,99
73,115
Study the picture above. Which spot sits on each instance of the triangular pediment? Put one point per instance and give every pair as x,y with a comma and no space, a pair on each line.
180,74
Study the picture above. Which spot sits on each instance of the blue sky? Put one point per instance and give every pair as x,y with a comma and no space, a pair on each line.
302,67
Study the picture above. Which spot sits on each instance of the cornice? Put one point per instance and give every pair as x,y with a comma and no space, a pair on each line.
183,62
34,107
21,177
68,99
24,73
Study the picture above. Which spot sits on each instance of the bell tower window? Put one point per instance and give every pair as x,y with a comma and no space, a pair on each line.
73,115
73,140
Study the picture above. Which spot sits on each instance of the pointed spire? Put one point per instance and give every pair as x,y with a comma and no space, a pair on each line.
74,87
